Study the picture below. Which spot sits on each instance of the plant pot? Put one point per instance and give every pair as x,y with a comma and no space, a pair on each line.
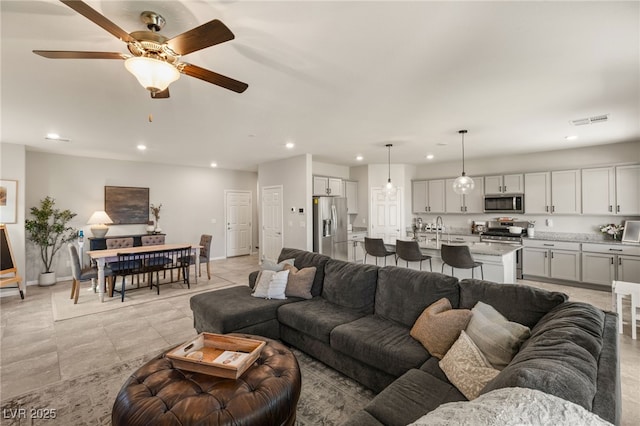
47,279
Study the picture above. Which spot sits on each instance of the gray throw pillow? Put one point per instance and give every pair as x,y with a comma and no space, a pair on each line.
268,265
300,281
498,338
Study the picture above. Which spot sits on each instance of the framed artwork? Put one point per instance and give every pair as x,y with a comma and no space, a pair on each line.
8,201
631,231
127,205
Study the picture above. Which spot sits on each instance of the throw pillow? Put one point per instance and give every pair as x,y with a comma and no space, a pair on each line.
278,285
438,327
466,368
262,284
300,281
498,338
268,265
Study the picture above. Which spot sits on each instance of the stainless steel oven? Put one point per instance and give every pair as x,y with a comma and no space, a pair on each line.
506,203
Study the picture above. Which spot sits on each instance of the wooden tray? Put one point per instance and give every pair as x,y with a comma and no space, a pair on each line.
203,355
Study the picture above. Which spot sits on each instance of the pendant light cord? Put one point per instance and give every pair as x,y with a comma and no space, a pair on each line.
389,161
462,132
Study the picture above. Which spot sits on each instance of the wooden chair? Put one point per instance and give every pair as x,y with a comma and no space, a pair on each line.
80,274
205,253
376,248
459,257
409,251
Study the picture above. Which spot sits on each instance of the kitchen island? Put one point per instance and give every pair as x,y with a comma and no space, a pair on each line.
499,260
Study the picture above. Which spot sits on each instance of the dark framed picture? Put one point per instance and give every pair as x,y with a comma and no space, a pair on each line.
127,205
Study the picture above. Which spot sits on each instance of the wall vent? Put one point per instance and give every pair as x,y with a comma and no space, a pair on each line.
590,120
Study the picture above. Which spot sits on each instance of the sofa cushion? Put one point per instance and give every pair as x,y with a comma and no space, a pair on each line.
561,356
410,397
498,338
381,343
316,317
300,281
350,285
304,259
466,367
520,303
403,293
438,326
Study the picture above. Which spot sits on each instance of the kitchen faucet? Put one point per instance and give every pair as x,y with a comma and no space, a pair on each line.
439,226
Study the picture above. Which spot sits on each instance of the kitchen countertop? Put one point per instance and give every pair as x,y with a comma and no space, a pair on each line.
491,249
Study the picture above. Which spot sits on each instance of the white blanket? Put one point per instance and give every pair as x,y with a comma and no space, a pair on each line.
511,406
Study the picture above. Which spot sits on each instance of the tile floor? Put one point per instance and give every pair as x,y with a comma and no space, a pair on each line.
36,351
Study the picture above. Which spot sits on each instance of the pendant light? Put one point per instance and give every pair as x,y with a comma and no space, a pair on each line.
389,188
463,183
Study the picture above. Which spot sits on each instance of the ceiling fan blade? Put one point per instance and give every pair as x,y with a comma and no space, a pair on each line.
67,54
160,95
97,18
214,78
209,34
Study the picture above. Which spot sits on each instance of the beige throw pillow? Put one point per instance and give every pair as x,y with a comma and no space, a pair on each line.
300,281
466,368
498,338
438,327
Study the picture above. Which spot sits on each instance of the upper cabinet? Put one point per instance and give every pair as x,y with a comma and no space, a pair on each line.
627,190
599,190
552,192
327,186
351,192
428,196
470,203
504,184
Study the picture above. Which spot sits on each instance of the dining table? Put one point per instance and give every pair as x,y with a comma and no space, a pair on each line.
102,257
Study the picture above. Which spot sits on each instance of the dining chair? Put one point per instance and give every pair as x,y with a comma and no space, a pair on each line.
459,256
80,274
376,248
409,251
127,264
117,243
155,240
205,253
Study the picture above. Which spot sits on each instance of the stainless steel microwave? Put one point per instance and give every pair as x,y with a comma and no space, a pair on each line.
507,203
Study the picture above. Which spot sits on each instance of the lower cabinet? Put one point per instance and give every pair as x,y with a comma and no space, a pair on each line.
551,259
603,263
355,247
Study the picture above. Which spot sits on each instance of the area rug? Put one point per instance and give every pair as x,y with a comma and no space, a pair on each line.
89,302
327,397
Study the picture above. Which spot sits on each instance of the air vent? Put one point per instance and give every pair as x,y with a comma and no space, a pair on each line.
591,120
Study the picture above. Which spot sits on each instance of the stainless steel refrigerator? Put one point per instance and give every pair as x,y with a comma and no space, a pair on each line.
330,226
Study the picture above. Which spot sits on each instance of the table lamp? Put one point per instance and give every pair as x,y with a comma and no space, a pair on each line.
99,220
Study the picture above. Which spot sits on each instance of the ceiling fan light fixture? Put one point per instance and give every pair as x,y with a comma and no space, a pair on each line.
463,183
153,74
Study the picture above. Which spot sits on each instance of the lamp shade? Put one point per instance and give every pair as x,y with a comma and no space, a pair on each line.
99,220
153,74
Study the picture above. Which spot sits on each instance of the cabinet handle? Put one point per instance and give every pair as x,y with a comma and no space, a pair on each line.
553,209
429,208
426,209
461,208
612,260
504,188
612,249
620,261
546,208
545,254
618,208
549,245
610,208
552,255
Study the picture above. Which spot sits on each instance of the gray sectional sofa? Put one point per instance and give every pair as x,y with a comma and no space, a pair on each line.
358,322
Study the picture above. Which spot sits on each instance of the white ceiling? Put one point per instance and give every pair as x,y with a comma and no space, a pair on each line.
336,78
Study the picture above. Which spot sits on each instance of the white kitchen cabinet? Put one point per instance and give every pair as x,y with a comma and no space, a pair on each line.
504,184
603,263
537,193
627,190
471,203
351,192
355,247
598,191
565,192
327,186
428,196
551,259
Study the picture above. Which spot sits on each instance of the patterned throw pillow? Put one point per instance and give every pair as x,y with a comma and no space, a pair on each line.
268,265
300,281
498,338
271,285
438,327
466,368
262,284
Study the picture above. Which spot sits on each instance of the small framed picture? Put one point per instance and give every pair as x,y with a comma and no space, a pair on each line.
8,201
631,232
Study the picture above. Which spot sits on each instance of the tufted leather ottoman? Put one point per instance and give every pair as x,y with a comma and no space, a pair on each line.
266,394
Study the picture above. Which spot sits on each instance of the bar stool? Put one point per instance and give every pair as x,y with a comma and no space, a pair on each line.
409,251
376,248
459,257
624,288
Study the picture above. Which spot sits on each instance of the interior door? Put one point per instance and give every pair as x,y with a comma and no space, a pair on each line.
386,215
239,229
272,239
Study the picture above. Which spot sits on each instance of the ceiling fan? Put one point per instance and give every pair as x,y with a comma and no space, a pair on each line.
155,60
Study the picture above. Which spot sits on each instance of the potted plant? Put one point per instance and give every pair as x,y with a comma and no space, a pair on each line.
49,231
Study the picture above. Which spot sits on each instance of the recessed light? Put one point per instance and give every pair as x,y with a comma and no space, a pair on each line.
141,147
429,156
442,143
53,136
359,158
290,145
571,138
214,164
